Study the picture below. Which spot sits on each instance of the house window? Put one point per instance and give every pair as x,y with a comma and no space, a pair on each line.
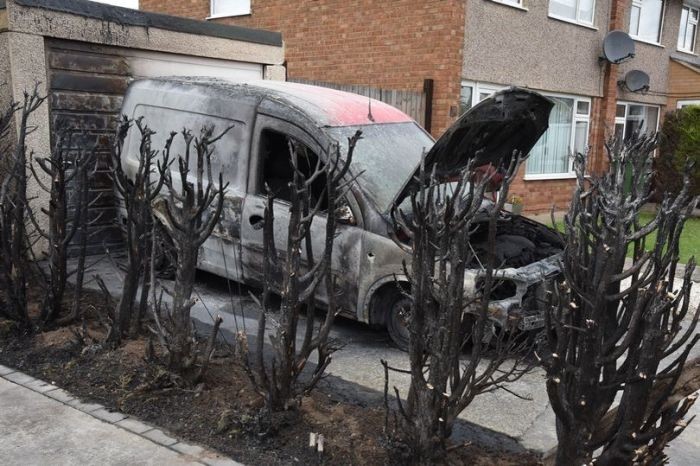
229,8
577,11
633,118
568,131
465,98
687,103
688,29
646,20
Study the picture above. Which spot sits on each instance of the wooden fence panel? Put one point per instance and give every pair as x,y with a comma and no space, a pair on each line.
412,103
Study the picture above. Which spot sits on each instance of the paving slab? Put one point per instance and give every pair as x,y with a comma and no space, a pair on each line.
159,436
60,395
40,386
37,430
220,461
20,378
133,425
108,416
84,407
4,370
187,449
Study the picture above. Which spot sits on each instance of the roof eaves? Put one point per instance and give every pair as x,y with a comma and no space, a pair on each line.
129,17
690,66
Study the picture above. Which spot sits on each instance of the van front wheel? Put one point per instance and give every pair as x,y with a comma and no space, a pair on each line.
397,318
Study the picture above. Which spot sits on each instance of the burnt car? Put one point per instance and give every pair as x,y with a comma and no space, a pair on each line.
369,251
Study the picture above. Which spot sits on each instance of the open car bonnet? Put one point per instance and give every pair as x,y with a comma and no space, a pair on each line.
510,120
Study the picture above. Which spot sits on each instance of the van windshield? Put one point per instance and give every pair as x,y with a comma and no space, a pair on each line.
387,155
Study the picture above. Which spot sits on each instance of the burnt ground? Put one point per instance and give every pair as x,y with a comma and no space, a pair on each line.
223,412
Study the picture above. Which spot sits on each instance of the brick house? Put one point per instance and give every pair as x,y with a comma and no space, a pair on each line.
471,48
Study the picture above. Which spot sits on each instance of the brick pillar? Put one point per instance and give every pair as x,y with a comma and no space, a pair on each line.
604,109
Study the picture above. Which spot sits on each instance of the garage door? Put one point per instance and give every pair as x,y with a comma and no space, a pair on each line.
87,83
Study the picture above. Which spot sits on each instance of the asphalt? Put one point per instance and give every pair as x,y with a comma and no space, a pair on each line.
507,421
44,425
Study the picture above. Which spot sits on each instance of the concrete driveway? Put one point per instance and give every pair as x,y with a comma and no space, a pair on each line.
356,371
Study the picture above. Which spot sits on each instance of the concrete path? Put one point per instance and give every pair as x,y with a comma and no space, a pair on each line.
43,425
497,417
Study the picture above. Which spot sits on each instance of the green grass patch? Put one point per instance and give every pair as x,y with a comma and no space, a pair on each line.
690,238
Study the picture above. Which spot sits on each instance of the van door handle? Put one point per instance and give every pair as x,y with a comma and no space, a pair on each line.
256,221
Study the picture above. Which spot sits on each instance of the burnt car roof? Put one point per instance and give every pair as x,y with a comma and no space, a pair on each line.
326,107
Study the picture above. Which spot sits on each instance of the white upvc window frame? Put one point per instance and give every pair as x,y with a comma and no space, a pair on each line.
683,28
622,120
513,3
686,103
479,88
577,20
243,10
660,33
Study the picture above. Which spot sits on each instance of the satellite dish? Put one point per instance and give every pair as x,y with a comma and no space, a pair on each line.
618,46
636,81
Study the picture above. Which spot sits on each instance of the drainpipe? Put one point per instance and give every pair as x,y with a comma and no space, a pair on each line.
605,117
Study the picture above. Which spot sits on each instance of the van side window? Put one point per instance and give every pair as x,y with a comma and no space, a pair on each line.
277,172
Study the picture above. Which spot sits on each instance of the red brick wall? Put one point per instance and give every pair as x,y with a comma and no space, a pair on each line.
540,195
393,44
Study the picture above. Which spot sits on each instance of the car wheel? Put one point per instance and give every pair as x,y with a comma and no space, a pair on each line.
397,319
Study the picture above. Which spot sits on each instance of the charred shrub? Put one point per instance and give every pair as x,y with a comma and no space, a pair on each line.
618,328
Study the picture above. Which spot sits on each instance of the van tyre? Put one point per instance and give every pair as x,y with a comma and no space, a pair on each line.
397,318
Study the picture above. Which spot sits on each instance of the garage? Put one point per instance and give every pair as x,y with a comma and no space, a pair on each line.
93,51
86,84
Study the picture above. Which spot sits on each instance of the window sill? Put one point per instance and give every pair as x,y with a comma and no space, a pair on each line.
571,21
550,176
687,52
227,15
517,7
648,42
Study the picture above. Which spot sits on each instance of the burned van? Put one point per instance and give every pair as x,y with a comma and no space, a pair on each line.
368,252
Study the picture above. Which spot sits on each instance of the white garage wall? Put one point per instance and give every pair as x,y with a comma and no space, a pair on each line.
151,64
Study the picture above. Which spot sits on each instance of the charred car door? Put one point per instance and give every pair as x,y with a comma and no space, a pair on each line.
270,166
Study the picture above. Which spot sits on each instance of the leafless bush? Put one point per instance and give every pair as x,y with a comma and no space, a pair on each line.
617,327
446,318
303,272
136,194
68,178
14,241
189,213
